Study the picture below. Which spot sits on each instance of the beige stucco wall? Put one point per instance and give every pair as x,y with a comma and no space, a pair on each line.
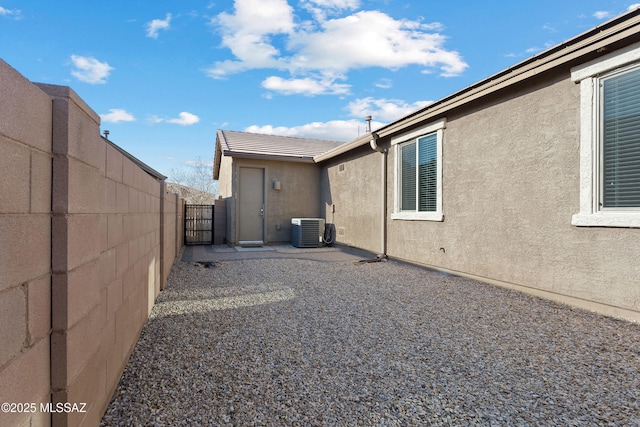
225,179
510,188
225,192
298,196
351,197
220,222
79,254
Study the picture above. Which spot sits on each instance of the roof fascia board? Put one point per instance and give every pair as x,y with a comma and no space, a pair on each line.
340,149
283,158
217,158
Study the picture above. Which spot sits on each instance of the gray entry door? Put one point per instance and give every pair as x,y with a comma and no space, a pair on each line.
251,206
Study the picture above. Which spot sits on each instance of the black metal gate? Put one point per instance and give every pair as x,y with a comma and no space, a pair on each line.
198,224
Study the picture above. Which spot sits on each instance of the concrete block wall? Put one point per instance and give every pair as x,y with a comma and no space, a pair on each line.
81,225
25,246
170,230
106,258
180,225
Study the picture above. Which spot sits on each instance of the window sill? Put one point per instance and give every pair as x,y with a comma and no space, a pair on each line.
602,219
418,216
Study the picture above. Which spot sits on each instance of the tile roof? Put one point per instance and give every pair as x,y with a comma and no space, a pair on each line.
246,144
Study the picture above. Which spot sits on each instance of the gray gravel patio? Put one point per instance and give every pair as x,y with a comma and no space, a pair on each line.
259,339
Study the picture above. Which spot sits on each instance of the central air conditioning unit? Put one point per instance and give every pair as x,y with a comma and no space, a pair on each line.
307,232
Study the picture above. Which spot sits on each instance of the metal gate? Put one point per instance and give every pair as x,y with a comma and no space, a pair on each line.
198,224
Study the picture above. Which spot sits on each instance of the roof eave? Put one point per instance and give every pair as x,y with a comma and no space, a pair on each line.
262,156
217,158
340,149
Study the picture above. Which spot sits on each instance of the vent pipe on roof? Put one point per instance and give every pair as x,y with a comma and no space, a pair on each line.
368,120
106,134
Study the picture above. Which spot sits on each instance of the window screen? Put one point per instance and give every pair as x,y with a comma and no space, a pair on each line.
408,176
427,173
419,172
620,135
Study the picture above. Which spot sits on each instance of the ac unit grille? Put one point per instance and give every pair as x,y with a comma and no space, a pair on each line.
307,232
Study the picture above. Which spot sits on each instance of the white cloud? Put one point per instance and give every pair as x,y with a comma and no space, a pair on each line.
384,83
602,14
156,25
12,13
328,48
374,39
153,119
633,7
117,115
90,70
334,130
258,17
383,110
247,33
305,86
320,9
334,4
185,119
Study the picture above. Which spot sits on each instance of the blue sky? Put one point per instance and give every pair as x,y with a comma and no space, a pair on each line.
165,75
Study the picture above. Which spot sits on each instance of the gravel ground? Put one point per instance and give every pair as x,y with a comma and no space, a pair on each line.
271,342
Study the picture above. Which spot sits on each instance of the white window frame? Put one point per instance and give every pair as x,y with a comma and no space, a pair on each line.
589,76
398,214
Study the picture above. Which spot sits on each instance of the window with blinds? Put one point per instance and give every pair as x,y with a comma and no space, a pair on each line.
408,177
418,174
609,140
620,140
427,173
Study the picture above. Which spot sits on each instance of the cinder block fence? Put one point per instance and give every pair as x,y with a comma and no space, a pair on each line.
88,236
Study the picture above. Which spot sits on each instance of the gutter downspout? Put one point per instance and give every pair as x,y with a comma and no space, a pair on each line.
383,228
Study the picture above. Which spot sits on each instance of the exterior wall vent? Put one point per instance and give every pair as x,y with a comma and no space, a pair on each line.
307,232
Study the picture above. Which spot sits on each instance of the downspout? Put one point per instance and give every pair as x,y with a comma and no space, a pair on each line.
383,228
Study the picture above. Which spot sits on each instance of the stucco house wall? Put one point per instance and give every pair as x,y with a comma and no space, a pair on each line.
225,192
511,184
297,197
352,198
